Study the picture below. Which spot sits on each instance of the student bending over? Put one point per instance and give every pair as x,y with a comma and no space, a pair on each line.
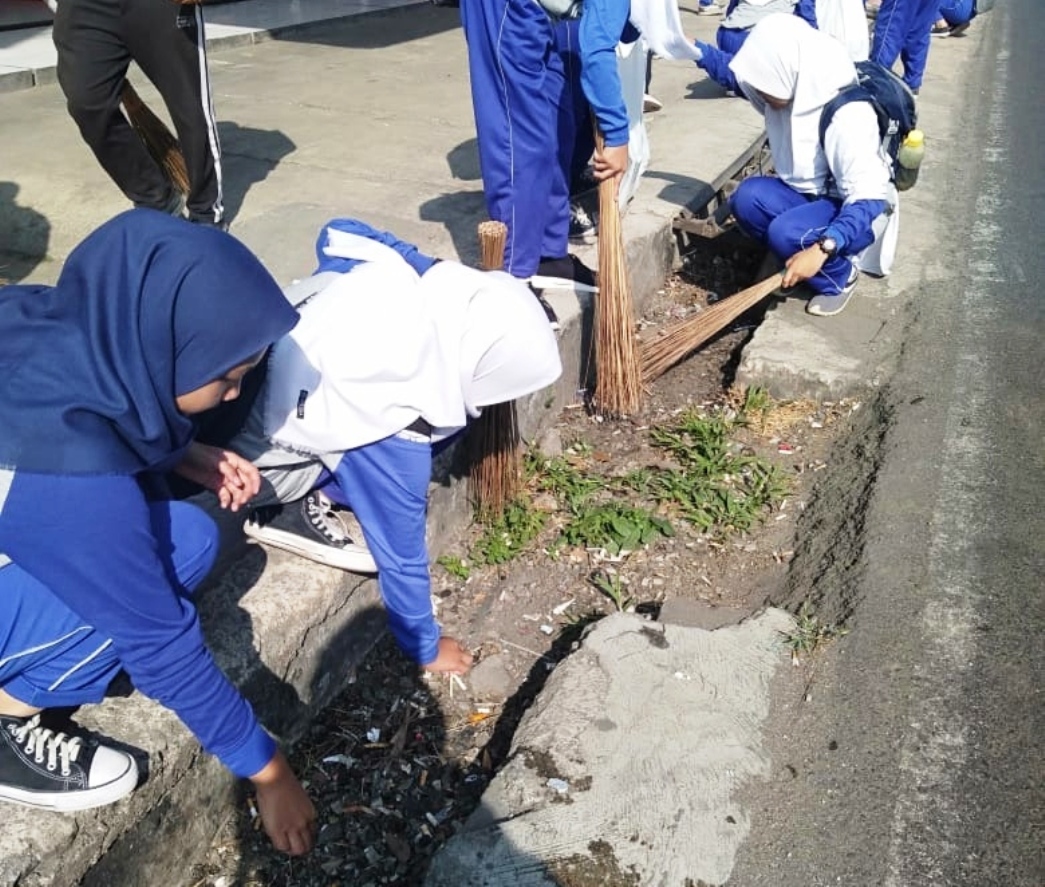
394,353
152,321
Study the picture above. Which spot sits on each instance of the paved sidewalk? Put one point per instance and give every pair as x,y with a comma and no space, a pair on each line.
337,113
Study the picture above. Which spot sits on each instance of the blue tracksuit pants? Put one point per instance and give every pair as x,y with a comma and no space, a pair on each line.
957,12
787,222
525,78
386,485
50,656
903,30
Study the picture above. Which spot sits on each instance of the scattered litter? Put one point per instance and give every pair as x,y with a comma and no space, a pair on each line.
785,448
345,759
548,629
682,676
560,786
373,735
562,608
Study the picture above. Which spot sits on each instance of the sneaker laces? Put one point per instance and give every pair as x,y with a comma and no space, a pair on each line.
580,217
320,513
46,745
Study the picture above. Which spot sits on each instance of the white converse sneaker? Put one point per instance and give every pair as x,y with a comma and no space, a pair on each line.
60,771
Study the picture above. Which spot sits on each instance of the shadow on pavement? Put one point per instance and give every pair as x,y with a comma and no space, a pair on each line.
27,234
248,155
376,30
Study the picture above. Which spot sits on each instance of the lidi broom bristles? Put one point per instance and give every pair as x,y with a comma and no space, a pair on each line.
495,454
159,141
618,381
682,338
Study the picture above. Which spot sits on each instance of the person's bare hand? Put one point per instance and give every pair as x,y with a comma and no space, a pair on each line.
610,162
287,814
452,658
234,479
803,265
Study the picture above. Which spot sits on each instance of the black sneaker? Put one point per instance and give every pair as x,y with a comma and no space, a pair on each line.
568,273
582,226
311,529
60,771
549,312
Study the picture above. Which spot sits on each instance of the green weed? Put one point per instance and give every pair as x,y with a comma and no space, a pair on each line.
612,586
810,634
504,538
615,526
454,565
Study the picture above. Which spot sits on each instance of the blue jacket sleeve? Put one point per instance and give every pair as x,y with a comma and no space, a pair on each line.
851,228
91,541
715,63
386,484
602,25
806,10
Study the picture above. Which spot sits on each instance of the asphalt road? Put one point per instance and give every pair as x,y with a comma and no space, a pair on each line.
918,758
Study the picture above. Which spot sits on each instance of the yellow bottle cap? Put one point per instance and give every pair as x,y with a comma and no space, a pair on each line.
915,139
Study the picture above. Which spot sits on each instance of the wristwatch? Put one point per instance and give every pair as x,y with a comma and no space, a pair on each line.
829,245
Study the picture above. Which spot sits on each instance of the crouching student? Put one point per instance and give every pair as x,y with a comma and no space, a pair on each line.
152,320
394,354
832,210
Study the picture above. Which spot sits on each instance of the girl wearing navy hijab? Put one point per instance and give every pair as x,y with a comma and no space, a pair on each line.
152,321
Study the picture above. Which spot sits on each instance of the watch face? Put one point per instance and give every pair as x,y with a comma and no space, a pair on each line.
828,245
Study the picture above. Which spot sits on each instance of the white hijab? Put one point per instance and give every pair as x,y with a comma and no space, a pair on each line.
378,347
785,58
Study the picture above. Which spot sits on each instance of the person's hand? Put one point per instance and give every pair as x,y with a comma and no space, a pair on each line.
452,658
234,479
286,812
610,162
803,265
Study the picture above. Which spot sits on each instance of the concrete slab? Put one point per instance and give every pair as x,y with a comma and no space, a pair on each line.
628,765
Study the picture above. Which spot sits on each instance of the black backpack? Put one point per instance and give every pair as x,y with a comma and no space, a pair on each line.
892,100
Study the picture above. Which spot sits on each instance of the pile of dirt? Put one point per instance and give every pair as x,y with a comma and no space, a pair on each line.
401,759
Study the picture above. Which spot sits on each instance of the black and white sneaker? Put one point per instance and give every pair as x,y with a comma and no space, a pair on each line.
549,312
582,225
60,771
312,529
568,273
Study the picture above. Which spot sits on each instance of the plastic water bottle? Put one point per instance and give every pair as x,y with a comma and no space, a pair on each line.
910,158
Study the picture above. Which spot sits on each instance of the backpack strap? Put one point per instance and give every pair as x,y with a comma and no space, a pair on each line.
855,93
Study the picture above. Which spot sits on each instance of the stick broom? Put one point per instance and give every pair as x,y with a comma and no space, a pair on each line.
618,381
682,338
494,442
159,141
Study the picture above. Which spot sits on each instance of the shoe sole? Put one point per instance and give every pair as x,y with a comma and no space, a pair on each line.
584,239
561,283
354,558
79,799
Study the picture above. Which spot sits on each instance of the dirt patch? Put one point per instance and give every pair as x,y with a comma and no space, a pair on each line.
399,761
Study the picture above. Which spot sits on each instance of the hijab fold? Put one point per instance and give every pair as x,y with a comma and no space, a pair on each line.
146,308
